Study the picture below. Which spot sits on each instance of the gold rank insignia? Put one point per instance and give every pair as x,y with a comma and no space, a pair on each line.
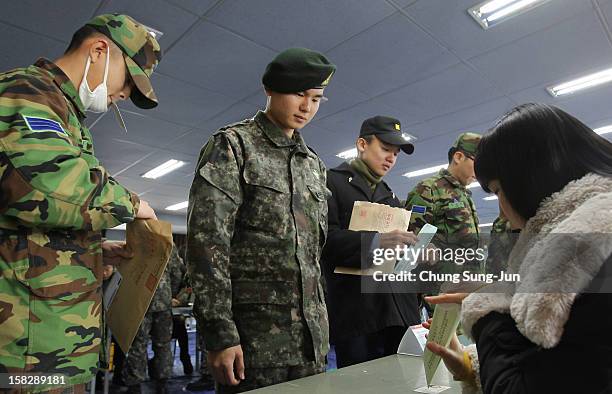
326,82
397,127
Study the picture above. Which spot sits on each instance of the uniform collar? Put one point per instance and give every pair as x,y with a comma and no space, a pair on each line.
382,191
278,137
63,82
444,173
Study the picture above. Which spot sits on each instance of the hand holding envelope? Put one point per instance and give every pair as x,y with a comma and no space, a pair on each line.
150,241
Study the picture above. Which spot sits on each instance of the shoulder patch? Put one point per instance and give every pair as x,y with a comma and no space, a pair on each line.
43,124
420,209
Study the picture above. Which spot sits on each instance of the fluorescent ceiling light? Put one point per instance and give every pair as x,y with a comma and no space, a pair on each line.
588,81
178,207
485,225
348,154
473,185
424,171
604,130
163,169
490,198
491,13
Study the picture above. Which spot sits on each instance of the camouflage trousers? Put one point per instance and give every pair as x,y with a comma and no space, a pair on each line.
261,377
157,325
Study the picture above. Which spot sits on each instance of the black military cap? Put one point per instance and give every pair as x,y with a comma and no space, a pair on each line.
296,70
388,130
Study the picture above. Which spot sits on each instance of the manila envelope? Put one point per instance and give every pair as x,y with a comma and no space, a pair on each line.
151,242
370,216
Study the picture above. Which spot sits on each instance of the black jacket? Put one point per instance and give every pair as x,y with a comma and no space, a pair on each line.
581,362
550,331
352,313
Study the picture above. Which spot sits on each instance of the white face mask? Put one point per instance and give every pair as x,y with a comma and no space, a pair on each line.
95,101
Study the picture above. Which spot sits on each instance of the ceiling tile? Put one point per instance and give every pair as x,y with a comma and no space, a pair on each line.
198,7
48,17
563,51
315,24
183,103
214,58
38,46
450,22
388,55
449,91
158,14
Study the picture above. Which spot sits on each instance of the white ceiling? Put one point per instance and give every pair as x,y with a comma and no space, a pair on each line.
425,62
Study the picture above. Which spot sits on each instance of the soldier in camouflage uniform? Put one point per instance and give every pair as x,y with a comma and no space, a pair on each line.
501,225
444,201
157,324
257,222
55,198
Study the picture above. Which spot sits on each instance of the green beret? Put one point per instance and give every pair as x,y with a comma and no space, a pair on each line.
297,70
467,142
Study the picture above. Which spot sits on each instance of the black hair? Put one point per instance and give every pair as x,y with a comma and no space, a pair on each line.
79,37
451,153
535,150
368,138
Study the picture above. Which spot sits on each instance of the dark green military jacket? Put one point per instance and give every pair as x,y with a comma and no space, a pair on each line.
55,197
448,205
257,222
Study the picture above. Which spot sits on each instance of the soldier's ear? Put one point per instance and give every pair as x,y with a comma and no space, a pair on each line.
98,49
458,156
361,144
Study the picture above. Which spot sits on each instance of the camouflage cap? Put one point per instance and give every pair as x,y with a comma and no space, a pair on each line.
141,52
467,142
296,70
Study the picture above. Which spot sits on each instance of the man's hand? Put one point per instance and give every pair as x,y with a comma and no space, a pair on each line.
227,365
145,211
175,302
397,238
115,252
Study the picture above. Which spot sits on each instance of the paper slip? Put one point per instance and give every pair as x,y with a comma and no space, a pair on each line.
425,236
369,216
443,326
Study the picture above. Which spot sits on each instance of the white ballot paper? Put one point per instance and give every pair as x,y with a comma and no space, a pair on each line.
443,326
414,340
370,216
410,261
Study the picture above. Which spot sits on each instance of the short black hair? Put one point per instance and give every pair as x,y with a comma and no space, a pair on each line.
79,37
368,138
535,150
451,153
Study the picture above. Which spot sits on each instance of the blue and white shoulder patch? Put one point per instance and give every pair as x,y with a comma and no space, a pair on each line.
420,209
43,124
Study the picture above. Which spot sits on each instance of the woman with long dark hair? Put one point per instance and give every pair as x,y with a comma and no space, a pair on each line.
548,331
